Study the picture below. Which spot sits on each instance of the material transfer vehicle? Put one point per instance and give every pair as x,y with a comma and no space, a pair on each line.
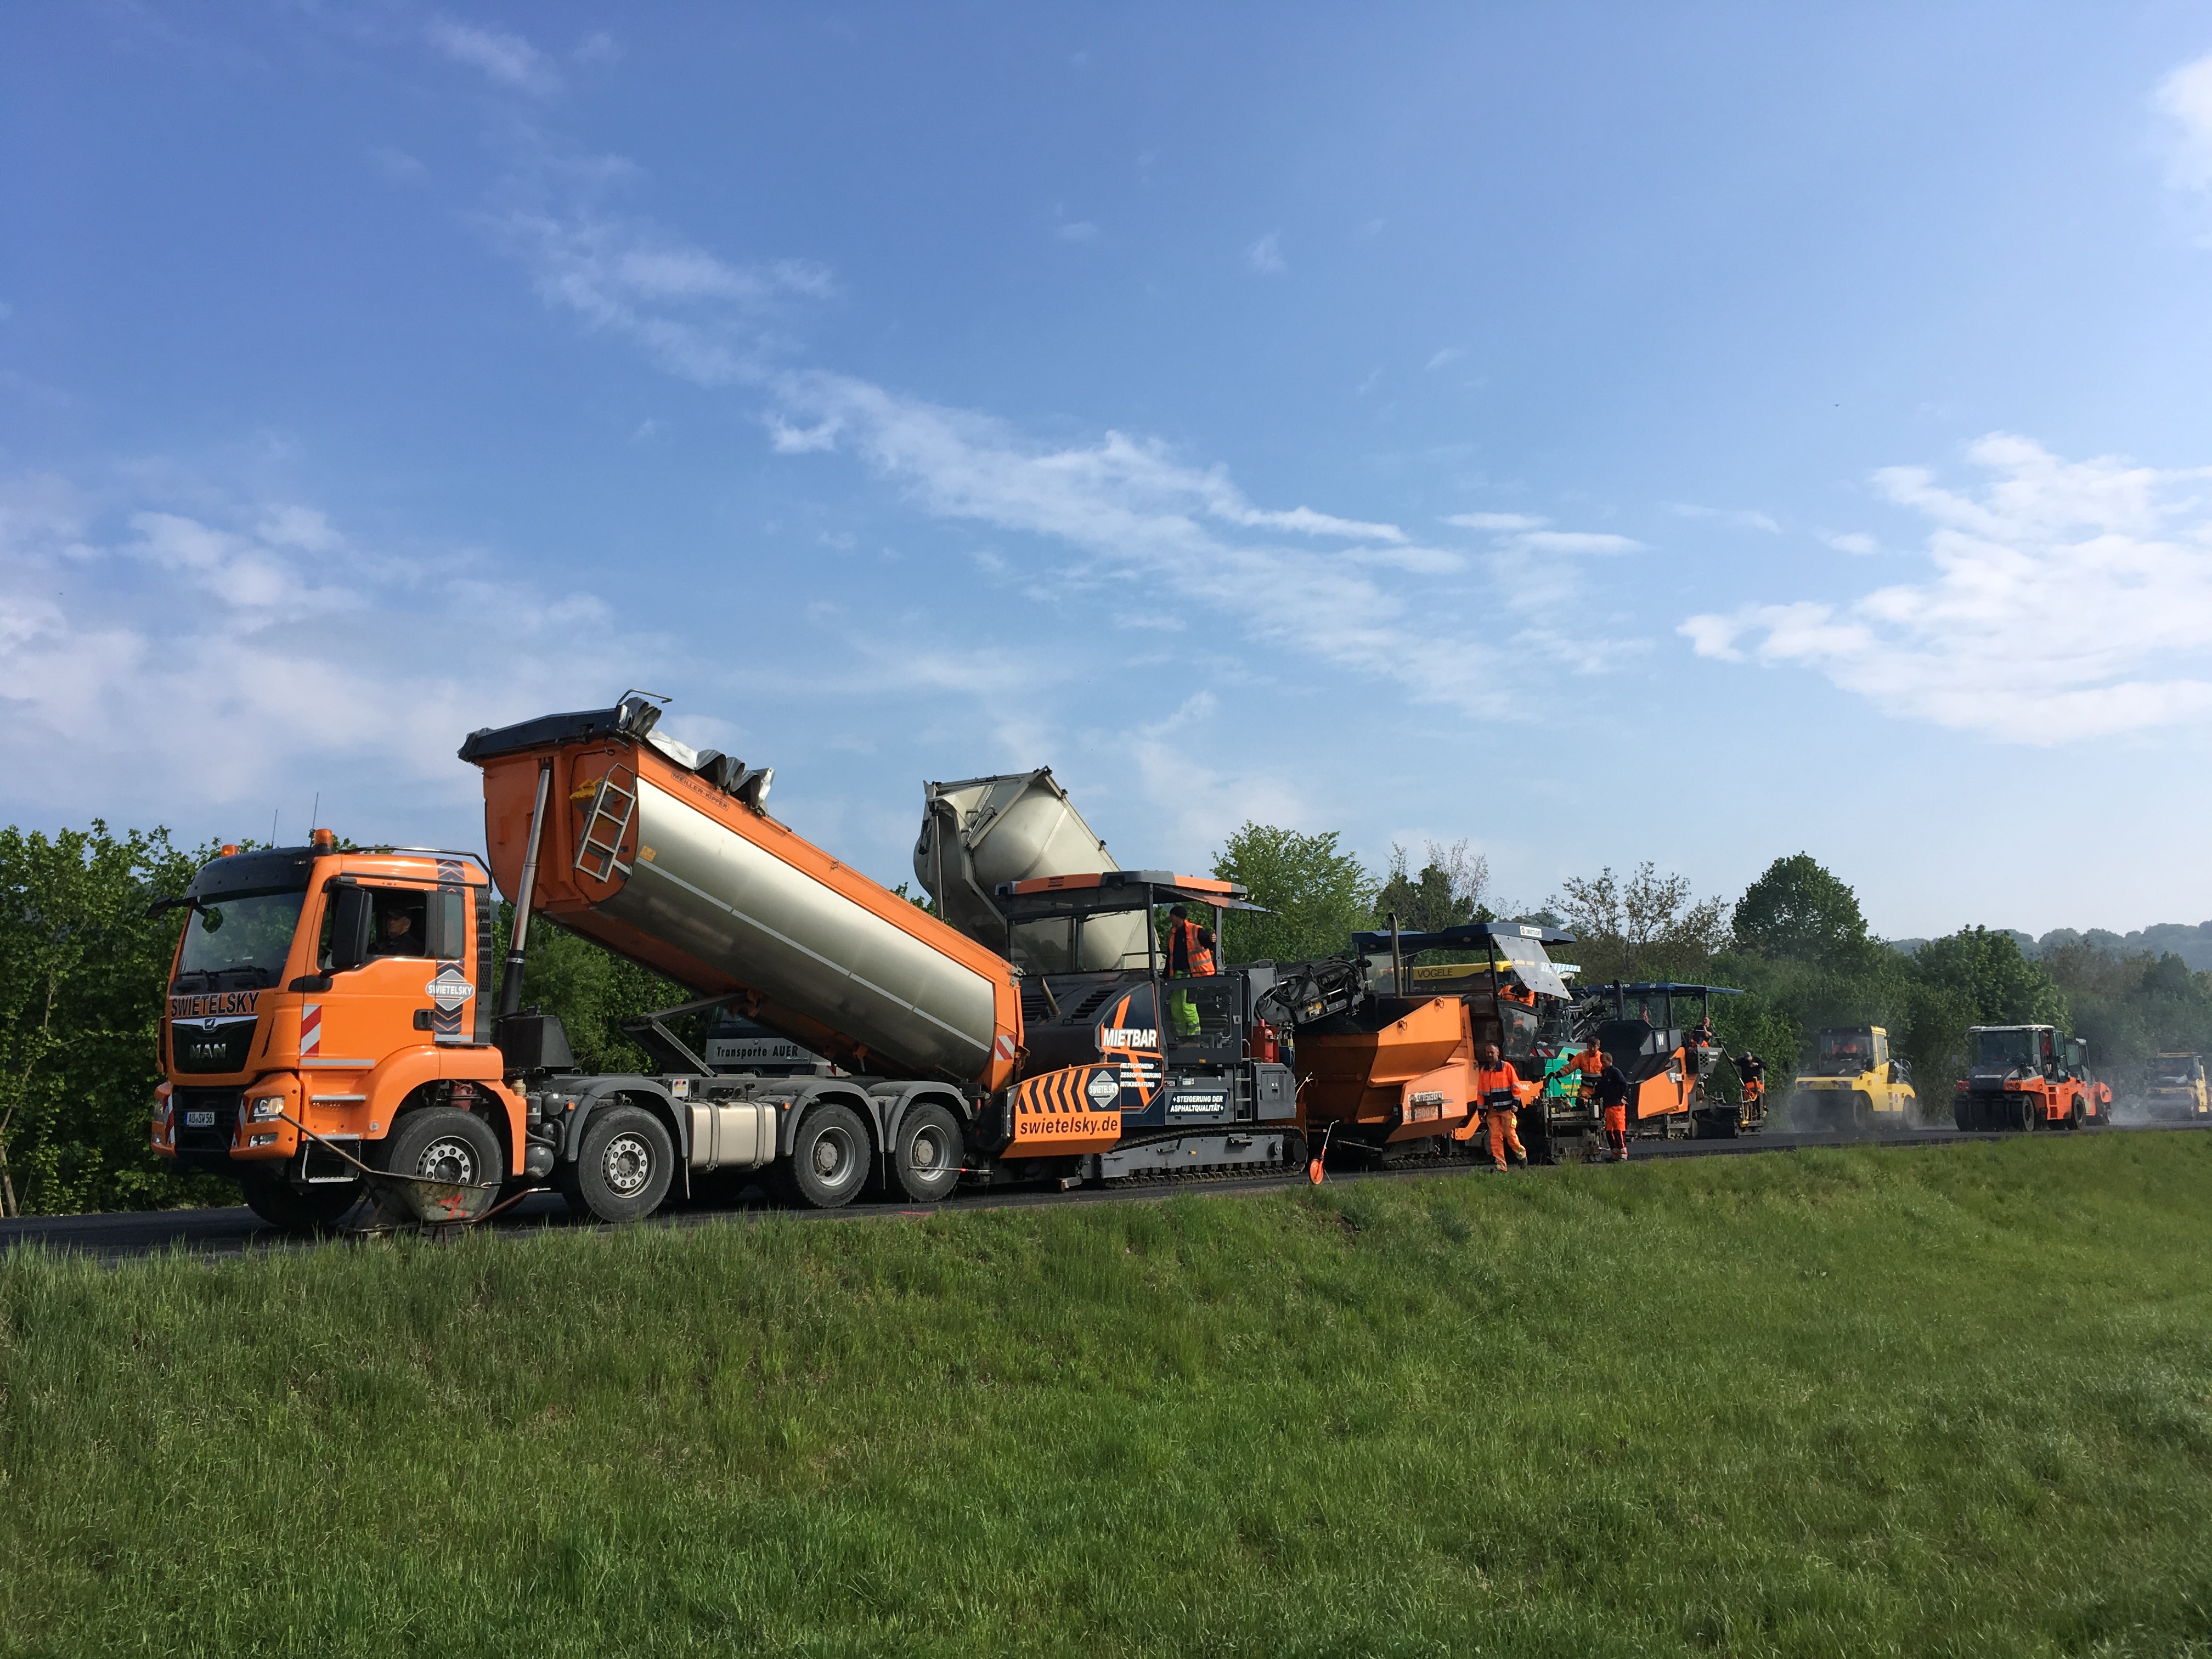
1391,1074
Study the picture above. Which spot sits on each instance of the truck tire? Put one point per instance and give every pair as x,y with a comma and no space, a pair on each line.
625,1164
926,1157
2024,1113
444,1143
1861,1112
828,1158
289,1210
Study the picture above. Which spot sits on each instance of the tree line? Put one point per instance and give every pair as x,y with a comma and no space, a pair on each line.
83,978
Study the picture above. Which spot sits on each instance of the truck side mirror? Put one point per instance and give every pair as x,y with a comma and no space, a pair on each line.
348,929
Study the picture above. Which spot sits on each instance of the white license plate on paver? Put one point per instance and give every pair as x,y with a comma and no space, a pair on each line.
199,1120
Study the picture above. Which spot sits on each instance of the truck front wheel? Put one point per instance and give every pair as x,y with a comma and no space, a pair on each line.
443,1143
927,1159
625,1165
828,1156
288,1209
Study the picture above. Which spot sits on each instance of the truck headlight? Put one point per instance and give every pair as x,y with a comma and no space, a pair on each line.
261,1141
267,1107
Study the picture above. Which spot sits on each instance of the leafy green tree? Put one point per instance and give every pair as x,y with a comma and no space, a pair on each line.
1447,892
1799,912
1647,927
1317,895
81,1000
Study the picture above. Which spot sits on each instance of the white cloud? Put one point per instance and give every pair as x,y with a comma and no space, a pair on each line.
1266,255
1449,354
700,317
1574,541
396,165
1853,542
1155,531
508,60
1497,520
1747,517
2185,98
1080,231
2069,600
598,47
189,661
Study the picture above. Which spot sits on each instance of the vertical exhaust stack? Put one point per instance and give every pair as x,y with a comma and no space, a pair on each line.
1020,826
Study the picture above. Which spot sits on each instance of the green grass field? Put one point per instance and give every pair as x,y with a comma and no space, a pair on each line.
1924,1402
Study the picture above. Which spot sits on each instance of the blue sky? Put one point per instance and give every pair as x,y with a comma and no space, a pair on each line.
1695,433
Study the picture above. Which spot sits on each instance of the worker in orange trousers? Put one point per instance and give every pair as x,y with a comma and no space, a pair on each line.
1495,1082
1613,1102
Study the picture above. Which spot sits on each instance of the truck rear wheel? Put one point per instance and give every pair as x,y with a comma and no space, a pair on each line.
625,1164
2025,1112
828,1158
1861,1112
926,1157
288,1209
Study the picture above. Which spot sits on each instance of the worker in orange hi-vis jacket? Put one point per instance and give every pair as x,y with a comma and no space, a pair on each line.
1495,1082
1589,1065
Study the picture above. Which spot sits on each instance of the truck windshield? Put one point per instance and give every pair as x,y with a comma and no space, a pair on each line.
239,941
2005,1048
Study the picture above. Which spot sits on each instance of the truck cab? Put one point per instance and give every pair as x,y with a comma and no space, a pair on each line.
2027,1077
1852,1082
321,997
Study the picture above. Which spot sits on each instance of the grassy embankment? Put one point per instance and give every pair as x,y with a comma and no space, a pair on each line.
1924,1402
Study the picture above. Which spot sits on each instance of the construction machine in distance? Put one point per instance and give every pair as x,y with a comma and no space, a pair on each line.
1391,1075
2174,1088
2027,1077
1852,1082
330,1019
1666,1068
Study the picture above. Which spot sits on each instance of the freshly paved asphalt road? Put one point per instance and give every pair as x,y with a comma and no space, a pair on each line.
231,1232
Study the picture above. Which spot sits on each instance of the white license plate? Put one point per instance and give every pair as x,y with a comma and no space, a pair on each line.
199,1120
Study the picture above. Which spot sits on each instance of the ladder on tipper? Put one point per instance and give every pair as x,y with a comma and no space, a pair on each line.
599,850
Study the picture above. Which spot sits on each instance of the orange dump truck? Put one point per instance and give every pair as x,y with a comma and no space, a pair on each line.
1394,1075
330,1010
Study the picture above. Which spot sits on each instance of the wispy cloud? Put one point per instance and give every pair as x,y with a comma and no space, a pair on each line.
1854,542
2069,600
1080,230
1266,255
701,318
128,626
1447,354
1152,529
506,58
1496,520
2184,98
1747,518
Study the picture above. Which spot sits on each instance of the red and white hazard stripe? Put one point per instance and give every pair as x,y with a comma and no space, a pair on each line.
311,1028
1006,1046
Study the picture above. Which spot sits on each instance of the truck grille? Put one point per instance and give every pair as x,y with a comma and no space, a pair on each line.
211,1138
